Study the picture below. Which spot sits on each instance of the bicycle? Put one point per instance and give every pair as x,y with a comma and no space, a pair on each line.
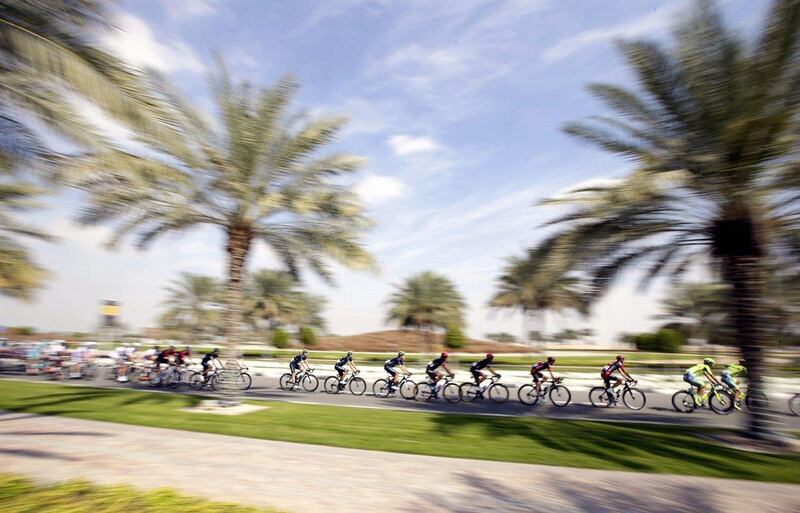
430,390
408,389
718,399
558,394
496,391
356,385
305,379
605,397
794,404
750,399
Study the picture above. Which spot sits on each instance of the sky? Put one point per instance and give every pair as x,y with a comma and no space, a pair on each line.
456,104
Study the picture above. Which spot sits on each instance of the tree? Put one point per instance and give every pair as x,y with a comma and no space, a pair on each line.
701,311
712,133
280,339
454,338
535,286
307,336
426,301
275,298
194,306
257,178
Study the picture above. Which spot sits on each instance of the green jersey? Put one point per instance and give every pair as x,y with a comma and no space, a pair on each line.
736,370
699,370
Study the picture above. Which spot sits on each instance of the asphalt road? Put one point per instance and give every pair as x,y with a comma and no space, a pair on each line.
657,410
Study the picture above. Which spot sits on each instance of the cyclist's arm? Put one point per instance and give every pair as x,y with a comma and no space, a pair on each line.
352,366
552,376
625,374
491,369
712,378
447,368
306,364
405,369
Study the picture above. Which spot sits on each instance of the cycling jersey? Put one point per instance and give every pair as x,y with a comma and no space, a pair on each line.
435,364
299,358
699,370
610,369
540,366
344,360
736,371
208,357
480,364
391,362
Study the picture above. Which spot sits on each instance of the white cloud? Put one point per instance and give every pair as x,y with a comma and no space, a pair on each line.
136,43
380,188
402,144
181,9
654,21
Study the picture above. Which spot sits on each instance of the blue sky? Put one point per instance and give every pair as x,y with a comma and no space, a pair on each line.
456,104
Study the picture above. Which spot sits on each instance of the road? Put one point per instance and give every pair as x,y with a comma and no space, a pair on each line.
301,478
658,409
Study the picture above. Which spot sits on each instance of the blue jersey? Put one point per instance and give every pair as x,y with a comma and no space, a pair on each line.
391,362
344,360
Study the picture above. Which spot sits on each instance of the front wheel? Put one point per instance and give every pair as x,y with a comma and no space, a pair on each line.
683,402
244,381
381,388
720,402
469,391
408,390
634,399
560,396
331,385
498,393
794,404
600,397
451,393
310,383
528,395
357,386
756,400
285,382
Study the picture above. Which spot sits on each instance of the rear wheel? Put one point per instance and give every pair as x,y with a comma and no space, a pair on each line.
424,391
331,384
560,396
408,390
599,397
310,383
381,388
527,394
683,402
756,400
498,393
720,402
634,399
357,386
451,393
469,391
285,382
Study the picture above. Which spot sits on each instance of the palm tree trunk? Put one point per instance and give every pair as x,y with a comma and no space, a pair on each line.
238,247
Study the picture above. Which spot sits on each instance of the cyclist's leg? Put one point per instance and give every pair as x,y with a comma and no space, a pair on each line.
695,384
477,376
728,380
392,375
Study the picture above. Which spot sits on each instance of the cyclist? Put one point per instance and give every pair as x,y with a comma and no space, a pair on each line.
476,368
182,357
701,370
206,362
299,363
607,373
434,364
735,371
391,363
536,372
163,357
342,365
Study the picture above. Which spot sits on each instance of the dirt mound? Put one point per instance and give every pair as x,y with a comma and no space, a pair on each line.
411,341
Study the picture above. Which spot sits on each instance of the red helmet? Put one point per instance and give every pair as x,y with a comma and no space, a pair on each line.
489,356
620,358
444,354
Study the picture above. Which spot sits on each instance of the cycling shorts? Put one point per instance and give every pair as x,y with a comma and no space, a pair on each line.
294,367
390,370
608,379
692,380
340,370
728,380
432,373
476,374
537,376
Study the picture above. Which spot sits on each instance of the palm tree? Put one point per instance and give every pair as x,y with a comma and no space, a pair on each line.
426,301
193,305
712,132
535,286
275,297
256,177
700,310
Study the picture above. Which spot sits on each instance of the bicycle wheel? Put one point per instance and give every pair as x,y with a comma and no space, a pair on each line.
756,400
310,383
720,402
154,378
357,386
408,390
794,404
560,396
599,397
469,391
195,381
451,393
172,380
527,395
331,384
89,371
424,391
634,399
381,388
244,381
498,393
214,381
285,382
683,402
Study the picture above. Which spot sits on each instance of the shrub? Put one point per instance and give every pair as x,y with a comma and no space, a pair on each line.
502,337
307,336
664,340
454,338
280,339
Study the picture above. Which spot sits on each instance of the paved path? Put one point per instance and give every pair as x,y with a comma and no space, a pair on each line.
314,479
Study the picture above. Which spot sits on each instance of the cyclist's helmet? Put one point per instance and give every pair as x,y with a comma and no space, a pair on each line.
187,350
171,348
489,356
620,358
551,359
349,353
743,362
400,353
710,362
444,354
216,350
305,351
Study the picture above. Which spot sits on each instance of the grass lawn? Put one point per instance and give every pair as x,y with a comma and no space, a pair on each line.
18,495
645,448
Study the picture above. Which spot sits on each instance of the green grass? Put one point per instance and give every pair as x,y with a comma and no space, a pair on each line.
18,495
662,449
